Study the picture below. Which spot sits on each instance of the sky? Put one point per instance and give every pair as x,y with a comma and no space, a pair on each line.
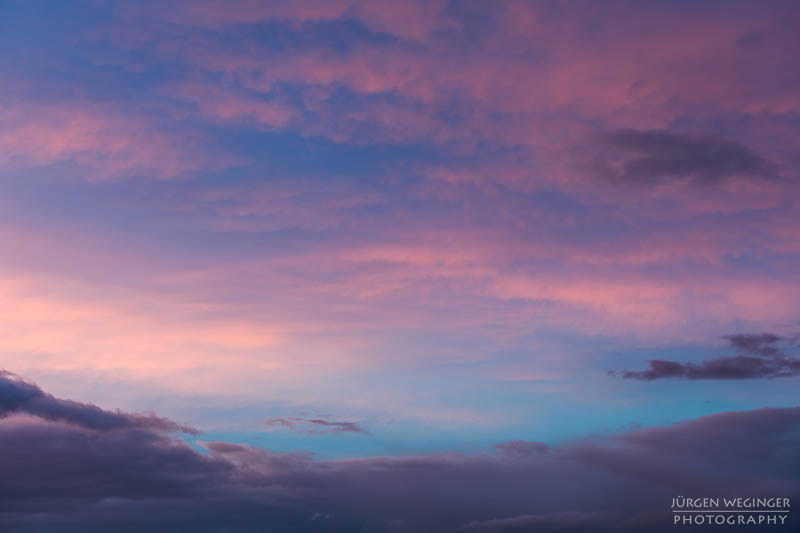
424,251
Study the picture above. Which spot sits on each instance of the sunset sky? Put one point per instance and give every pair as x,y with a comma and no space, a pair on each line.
353,232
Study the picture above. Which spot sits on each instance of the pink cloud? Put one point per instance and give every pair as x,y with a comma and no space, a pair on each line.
501,109
412,20
106,141
542,99
226,105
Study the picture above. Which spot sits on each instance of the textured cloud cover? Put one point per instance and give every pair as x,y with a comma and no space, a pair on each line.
67,477
297,185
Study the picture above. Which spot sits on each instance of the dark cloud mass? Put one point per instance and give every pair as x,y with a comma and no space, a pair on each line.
761,356
19,396
651,157
58,476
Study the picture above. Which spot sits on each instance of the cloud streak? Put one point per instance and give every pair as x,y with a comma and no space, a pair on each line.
315,426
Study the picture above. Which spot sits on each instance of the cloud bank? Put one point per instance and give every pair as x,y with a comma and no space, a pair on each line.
58,475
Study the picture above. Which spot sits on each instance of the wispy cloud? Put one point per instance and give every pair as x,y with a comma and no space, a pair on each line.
315,426
106,141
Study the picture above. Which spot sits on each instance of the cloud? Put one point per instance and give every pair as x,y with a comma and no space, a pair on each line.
522,447
652,157
21,397
412,20
106,141
737,367
266,95
59,476
442,73
315,426
763,344
762,358
226,105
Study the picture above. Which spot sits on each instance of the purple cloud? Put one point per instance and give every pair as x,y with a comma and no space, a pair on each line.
20,396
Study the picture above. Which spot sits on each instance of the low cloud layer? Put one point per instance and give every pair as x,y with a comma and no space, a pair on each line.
60,476
762,355
651,157
22,397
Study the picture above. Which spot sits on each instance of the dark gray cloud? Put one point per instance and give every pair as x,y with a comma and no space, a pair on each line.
651,157
761,355
735,367
315,426
56,476
763,344
19,396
